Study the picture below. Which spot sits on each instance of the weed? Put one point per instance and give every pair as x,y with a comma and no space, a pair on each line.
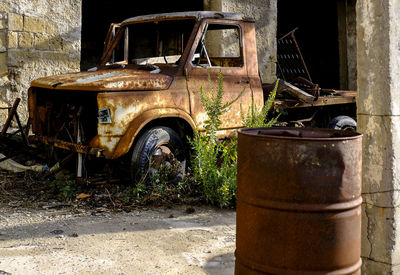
214,161
63,185
257,116
133,192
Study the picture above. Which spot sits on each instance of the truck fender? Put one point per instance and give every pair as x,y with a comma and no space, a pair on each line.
140,122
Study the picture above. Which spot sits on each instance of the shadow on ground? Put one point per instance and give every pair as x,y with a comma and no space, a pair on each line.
221,264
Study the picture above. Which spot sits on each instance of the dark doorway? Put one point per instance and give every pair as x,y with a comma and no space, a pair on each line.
97,16
317,36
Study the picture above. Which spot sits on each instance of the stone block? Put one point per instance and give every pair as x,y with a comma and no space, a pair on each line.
12,40
5,6
3,69
3,58
380,240
26,40
16,57
366,245
381,148
56,43
32,24
379,236
41,41
3,24
4,80
268,72
3,40
51,27
55,57
371,267
15,22
21,57
384,199
68,46
62,61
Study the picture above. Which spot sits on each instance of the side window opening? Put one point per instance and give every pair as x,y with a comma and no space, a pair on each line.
119,53
219,46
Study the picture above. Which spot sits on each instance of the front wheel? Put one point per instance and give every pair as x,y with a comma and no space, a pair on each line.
158,150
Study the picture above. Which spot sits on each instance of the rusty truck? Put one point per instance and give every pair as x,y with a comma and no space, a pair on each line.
142,100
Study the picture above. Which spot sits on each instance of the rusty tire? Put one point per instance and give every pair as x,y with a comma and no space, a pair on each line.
343,123
150,150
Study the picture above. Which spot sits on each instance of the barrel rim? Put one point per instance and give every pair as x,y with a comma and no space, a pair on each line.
301,206
342,135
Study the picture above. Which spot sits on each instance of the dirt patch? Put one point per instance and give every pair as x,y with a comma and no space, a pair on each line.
142,241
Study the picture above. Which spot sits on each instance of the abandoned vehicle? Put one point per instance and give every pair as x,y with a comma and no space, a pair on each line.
142,99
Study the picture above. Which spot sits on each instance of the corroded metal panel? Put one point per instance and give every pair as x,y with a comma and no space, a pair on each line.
106,80
187,15
130,111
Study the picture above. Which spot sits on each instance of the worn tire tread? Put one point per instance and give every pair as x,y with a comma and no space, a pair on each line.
145,146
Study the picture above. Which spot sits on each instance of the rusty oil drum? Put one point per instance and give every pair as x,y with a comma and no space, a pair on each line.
298,202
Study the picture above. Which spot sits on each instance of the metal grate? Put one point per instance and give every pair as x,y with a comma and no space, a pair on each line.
291,64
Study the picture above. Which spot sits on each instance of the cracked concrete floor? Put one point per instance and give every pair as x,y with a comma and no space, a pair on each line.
152,241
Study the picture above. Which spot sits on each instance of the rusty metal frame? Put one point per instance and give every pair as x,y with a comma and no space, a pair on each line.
12,113
290,39
321,101
70,146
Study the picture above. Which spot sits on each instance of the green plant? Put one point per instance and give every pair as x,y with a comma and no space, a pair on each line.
63,185
257,116
163,179
137,191
214,161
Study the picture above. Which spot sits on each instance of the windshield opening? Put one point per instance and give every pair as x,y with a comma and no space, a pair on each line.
153,43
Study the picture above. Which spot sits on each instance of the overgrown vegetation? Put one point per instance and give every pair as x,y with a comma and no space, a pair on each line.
257,116
214,161
63,185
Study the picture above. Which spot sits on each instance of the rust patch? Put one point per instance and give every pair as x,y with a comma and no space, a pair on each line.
106,80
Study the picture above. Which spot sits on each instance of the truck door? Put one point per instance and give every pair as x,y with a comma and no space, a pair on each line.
218,47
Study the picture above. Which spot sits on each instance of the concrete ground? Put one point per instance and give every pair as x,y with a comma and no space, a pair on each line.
148,241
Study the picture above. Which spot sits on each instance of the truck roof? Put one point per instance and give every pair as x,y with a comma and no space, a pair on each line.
187,15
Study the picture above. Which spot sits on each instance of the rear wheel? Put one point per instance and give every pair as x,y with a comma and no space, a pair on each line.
343,123
158,150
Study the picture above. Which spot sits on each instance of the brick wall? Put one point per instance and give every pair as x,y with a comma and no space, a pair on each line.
37,38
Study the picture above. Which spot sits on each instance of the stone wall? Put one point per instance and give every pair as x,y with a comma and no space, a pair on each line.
265,14
378,115
37,38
